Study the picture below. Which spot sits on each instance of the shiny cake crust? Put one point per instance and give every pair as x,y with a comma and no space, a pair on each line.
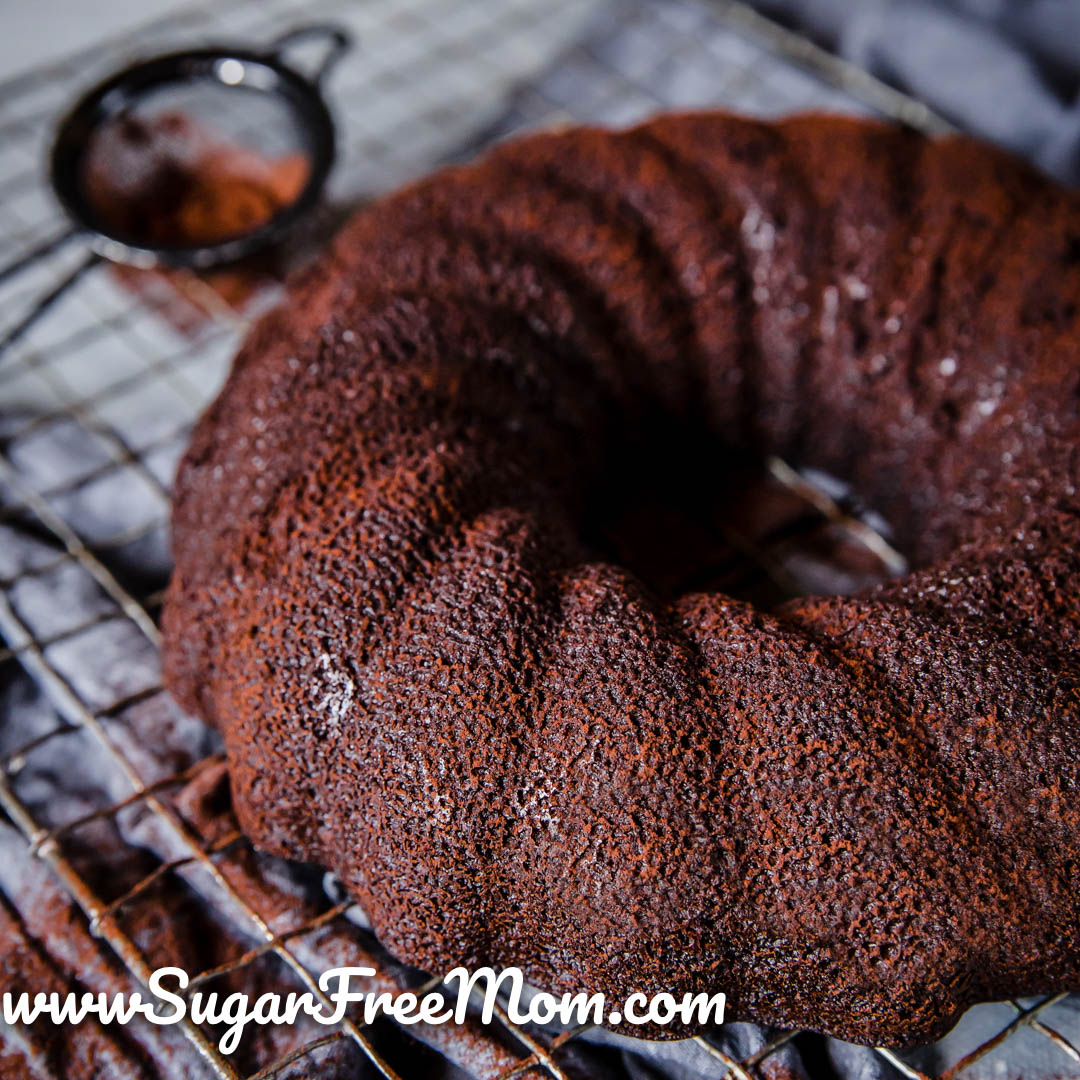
855,814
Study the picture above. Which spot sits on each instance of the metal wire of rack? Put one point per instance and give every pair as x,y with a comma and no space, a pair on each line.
96,402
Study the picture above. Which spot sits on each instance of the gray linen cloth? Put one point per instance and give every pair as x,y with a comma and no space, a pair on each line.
1008,70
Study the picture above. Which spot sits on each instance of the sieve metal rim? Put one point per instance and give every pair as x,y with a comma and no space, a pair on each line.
264,71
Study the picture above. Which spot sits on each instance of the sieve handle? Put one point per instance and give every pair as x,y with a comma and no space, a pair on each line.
339,41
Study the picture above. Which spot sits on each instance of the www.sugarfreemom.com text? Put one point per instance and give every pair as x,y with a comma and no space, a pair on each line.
440,1006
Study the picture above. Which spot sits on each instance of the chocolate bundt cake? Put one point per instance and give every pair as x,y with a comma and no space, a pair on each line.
393,595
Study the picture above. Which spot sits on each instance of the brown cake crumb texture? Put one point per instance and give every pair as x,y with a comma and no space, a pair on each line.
853,814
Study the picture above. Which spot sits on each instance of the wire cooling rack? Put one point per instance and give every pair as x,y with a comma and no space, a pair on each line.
100,779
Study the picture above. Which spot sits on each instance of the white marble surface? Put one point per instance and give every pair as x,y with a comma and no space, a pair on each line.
36,33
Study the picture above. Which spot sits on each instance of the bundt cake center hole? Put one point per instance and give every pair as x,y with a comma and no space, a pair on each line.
685,513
